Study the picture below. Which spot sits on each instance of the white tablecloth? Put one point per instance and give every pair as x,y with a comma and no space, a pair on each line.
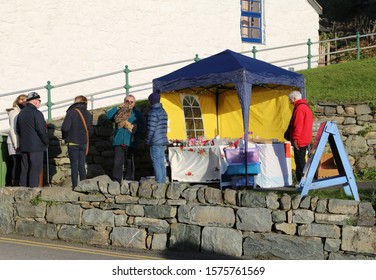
207,163
197,163
275,166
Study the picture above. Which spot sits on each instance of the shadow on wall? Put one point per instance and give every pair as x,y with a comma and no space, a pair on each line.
192,251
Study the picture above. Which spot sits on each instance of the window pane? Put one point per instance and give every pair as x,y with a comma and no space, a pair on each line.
245,5
190,134
199,133
188,112
189,124
255,22
199,124
255,7
196,112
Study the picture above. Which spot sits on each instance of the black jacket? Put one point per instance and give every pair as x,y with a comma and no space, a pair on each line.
32,129
73,129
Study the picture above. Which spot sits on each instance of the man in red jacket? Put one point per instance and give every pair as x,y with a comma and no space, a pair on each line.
300,130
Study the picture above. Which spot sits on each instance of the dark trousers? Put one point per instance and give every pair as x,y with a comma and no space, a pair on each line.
300,161
15,161
77,157
123,155
31,168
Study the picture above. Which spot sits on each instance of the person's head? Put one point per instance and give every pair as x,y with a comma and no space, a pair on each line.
154,98
295,96
80,99
20,100
130,100
34,98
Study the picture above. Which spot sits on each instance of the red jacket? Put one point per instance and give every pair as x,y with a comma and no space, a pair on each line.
301,123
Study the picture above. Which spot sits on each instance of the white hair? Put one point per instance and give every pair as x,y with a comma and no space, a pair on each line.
295,94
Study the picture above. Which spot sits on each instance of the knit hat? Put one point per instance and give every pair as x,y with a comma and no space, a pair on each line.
32,95
154,98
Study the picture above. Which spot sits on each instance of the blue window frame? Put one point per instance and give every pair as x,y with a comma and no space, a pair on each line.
251,21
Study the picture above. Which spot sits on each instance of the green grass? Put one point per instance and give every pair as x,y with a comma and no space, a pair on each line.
353,81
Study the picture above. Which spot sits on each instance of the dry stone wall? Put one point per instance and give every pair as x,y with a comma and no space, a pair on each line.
198,218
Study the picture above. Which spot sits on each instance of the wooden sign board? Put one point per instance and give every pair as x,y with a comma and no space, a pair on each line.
328,132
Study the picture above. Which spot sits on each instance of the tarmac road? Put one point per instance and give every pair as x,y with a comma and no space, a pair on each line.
15,247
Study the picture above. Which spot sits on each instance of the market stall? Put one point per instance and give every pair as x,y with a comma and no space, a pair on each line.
211,98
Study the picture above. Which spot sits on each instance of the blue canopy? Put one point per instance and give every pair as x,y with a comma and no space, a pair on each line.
230,67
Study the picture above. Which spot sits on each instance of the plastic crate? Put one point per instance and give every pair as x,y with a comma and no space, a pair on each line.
239,168
240,181
238,155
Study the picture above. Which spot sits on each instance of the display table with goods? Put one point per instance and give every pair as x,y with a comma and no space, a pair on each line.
223,162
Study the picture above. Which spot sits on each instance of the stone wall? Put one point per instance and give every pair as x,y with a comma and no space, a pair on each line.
197,218
356,123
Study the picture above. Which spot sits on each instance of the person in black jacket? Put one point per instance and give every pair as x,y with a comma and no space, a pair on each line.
32,130
156,136
76,128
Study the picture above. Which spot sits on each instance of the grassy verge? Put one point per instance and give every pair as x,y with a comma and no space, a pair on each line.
353,81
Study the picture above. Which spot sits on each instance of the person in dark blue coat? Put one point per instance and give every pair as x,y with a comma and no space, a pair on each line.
156,136
32,130
129,122
76,128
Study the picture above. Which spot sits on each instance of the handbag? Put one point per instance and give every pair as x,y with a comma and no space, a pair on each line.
87,132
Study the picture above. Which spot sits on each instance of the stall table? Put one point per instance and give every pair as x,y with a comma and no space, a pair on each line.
197,163
275,165
207,164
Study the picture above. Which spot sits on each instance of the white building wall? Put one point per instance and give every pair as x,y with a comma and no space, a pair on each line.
64,41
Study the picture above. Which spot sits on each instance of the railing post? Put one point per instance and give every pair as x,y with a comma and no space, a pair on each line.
254,51
196,58
127,85
357,46
309,56
49,102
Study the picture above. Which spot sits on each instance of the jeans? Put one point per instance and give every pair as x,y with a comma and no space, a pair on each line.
77,157
300,161
157,154
123,155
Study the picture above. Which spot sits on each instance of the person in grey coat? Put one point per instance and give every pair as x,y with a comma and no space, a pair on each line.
32,129
156,136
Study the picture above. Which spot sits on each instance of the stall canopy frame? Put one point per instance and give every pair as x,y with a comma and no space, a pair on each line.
230,67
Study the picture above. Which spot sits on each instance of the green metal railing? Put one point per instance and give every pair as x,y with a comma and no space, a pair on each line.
138,87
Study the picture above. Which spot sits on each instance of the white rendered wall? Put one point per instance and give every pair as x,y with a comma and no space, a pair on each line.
64,41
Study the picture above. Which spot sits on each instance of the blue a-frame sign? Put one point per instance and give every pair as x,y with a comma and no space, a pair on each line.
328,131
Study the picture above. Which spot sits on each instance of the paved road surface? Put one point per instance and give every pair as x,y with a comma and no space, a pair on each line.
15,247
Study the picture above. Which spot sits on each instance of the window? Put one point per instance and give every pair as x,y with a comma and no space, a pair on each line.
251,21
194,125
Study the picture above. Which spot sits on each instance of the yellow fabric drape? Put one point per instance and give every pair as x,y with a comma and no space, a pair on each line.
269,116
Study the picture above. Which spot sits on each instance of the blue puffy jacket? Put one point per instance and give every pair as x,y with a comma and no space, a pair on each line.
156,130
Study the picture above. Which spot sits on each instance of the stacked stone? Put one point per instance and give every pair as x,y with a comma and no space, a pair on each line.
357,125
199,218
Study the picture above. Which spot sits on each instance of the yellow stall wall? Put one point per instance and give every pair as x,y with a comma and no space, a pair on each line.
270,113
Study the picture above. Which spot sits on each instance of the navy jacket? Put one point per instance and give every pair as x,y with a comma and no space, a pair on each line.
32,129
156,130
73,129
